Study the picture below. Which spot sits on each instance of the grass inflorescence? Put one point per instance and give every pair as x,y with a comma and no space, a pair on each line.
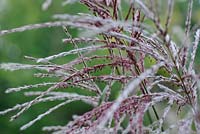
133,73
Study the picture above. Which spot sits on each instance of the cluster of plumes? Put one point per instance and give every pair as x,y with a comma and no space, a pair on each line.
126,42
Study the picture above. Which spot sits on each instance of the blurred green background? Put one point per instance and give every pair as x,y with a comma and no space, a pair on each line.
36,43
45,42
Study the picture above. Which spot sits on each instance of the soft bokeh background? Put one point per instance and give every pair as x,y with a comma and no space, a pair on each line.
45,42
36,43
